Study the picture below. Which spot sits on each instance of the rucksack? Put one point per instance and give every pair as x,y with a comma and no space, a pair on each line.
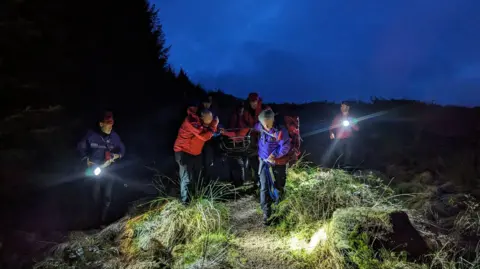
292,125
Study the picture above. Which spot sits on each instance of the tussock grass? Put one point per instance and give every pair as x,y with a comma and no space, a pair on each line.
468,222
167,234
173,224
330,218
313,195
333,219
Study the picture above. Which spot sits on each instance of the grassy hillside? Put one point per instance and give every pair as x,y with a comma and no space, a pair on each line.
329,219
424,152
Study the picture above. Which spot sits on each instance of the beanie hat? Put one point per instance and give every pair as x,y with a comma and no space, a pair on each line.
266,114
108,117
253,96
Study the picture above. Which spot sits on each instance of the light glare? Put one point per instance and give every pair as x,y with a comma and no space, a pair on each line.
319,237
346,123
97,171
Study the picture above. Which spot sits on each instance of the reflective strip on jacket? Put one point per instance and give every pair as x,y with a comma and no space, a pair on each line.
97,145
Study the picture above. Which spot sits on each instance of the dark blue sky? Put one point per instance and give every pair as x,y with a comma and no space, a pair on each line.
308,50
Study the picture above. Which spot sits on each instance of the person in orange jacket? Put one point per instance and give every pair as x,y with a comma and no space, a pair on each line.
341,131
198,128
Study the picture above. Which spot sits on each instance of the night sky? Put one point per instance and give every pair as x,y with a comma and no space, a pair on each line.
312,50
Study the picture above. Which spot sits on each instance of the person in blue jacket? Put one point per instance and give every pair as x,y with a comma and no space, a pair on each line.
102,147
273,145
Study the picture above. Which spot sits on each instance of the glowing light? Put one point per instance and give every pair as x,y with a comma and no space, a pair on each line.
319,237
297,244
97,171
346,123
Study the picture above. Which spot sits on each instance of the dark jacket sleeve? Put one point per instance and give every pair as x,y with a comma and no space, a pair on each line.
120,145
83,145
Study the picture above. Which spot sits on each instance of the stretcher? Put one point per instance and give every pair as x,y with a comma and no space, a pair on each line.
237,142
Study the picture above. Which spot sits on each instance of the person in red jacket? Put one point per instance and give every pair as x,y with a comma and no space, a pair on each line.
198,128
238,129
341,131
253,108
236,120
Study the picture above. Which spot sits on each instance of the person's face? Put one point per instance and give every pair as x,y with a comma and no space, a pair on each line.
207,118
344,108
106,127
207,104
267,124
253,104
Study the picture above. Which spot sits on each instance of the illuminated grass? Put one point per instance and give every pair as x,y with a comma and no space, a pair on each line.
328,219
168,235
312,195
326,214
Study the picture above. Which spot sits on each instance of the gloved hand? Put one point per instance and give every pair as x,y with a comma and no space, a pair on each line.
271,159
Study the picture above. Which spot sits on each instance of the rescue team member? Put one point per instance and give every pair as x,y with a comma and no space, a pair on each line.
236,120
206,103
208,152
253,108
238,163
198,128
102,146
273,145
341,131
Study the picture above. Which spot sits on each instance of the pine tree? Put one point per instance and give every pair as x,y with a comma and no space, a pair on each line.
85,54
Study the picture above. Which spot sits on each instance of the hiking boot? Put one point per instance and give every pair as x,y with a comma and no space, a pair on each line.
266,220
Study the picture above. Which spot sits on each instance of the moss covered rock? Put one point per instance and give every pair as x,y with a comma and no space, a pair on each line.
386,229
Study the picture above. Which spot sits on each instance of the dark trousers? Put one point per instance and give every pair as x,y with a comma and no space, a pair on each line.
280,174
208,159
102,194
238,170
244,168
253,163
344,151
189,170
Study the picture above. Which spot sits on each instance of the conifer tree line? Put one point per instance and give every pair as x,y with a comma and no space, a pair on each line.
85,53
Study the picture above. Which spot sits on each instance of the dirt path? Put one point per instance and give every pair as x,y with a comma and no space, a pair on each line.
257,245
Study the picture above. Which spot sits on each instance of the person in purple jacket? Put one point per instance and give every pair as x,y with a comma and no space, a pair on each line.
102,147
274,143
